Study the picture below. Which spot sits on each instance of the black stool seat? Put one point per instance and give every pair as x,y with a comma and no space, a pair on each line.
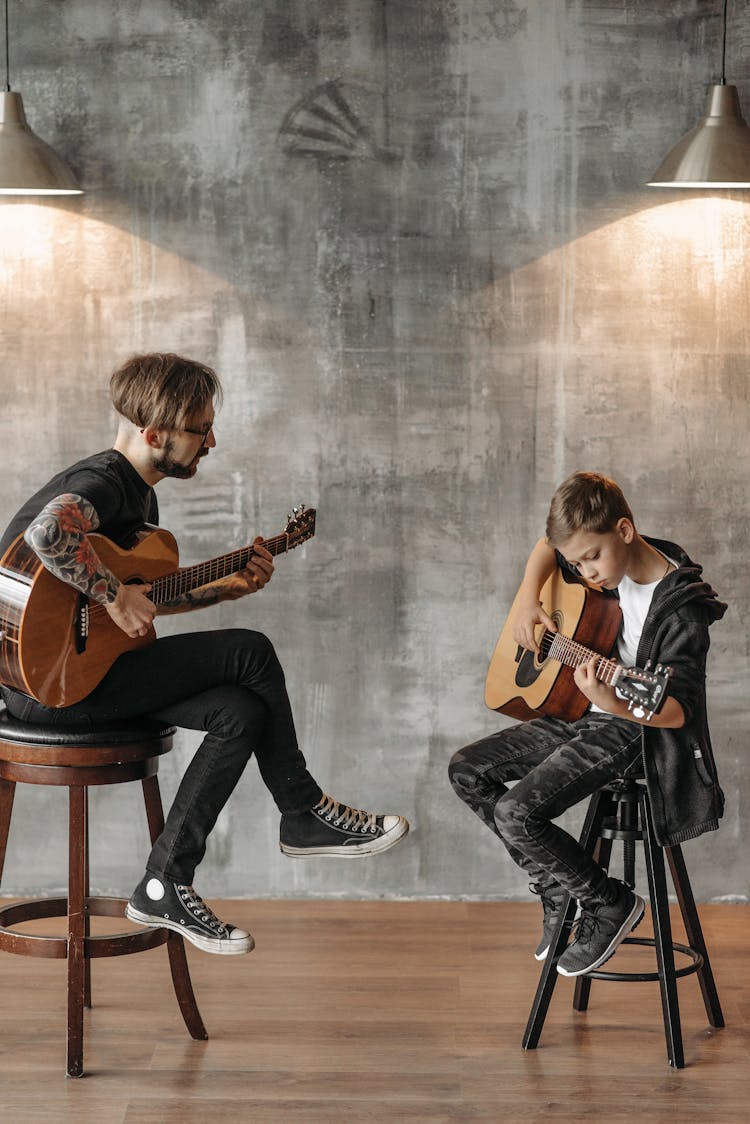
113,733
622,812
30,753
78,758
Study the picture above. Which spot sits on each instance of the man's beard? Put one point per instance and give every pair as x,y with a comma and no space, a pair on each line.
169,466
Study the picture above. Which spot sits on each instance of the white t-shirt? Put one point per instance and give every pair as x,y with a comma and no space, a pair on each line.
635,602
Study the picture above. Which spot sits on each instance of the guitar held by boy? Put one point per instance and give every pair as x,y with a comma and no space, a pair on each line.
524,684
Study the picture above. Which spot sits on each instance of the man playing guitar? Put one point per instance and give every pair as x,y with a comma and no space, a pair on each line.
227,683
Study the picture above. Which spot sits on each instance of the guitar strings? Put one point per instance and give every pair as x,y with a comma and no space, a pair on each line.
192,577
172,585
570,652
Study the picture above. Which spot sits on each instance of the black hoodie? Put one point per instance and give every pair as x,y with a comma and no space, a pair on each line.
686,799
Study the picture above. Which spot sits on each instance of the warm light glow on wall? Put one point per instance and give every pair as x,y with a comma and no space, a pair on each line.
642,318
667,272
26,235
715,231
59,254
77,286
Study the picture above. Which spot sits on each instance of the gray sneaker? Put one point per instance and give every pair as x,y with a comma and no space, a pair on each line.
156,901
600,931
552,897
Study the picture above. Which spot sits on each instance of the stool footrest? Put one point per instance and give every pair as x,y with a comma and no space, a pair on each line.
56,948
695,958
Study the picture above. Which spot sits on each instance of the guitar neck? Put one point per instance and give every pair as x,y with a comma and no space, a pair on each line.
573,654
182,581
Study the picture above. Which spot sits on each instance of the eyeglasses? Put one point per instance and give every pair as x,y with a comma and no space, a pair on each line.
199,432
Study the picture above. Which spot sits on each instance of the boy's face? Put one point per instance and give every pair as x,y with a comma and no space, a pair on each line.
600,558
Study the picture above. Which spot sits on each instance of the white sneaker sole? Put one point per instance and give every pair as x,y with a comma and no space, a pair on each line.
631,922
205,944
351,850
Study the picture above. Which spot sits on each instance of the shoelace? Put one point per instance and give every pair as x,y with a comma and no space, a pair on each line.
551,901
586,927
353,819
203,912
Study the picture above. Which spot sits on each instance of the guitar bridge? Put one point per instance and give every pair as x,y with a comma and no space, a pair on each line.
81,623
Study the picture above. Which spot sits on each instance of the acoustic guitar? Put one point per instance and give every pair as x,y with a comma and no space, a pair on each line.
56,645
524,685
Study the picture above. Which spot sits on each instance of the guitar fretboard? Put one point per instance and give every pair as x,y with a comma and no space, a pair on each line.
573,654
181,581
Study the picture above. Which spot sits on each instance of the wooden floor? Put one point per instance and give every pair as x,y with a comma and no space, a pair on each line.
374,1011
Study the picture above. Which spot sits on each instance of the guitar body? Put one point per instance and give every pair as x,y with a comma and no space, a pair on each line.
57,646
44,651
523,686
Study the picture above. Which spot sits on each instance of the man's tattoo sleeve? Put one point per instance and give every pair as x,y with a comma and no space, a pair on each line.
199,598
58,536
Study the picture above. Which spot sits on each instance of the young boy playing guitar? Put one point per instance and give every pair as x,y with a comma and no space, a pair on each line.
666,612
228,683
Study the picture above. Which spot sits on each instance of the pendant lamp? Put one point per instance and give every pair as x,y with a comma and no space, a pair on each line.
716,153
28,166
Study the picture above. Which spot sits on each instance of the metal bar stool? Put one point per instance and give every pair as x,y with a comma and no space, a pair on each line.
31,754
622,811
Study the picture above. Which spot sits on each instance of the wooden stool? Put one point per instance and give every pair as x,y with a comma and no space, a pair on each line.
47,755
622,811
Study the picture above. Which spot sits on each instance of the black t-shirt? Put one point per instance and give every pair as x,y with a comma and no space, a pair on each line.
120,497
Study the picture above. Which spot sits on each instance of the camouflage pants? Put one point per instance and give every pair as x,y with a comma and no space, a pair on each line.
555,765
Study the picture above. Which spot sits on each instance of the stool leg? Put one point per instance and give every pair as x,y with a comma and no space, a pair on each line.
76,928
657,884
694,932
549,976
7,792
183,987
87,895
602,855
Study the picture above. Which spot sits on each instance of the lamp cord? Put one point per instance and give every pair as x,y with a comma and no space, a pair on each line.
723,45
7,51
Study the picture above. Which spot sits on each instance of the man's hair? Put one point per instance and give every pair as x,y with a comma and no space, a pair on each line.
163,390
586,501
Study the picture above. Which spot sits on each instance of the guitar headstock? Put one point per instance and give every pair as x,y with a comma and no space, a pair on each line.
644,689
300,525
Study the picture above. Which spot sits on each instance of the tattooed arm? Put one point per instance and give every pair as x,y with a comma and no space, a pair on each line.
256,574
58,536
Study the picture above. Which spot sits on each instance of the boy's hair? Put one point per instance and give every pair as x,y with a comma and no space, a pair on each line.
163,390
586,501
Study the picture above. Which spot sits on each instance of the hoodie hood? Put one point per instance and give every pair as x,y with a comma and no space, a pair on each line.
683,585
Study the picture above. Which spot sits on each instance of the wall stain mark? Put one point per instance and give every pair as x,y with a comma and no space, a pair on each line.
325,125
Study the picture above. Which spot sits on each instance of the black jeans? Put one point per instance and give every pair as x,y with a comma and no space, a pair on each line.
230,684
556,764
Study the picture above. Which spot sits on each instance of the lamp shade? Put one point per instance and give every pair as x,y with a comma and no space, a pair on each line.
716,153
28,166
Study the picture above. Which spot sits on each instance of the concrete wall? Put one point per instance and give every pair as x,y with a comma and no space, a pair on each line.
413,237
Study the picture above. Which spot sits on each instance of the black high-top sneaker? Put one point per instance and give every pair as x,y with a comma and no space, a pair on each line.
156,901
331,828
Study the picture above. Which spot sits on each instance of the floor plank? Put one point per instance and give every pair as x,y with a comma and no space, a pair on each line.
374,1011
